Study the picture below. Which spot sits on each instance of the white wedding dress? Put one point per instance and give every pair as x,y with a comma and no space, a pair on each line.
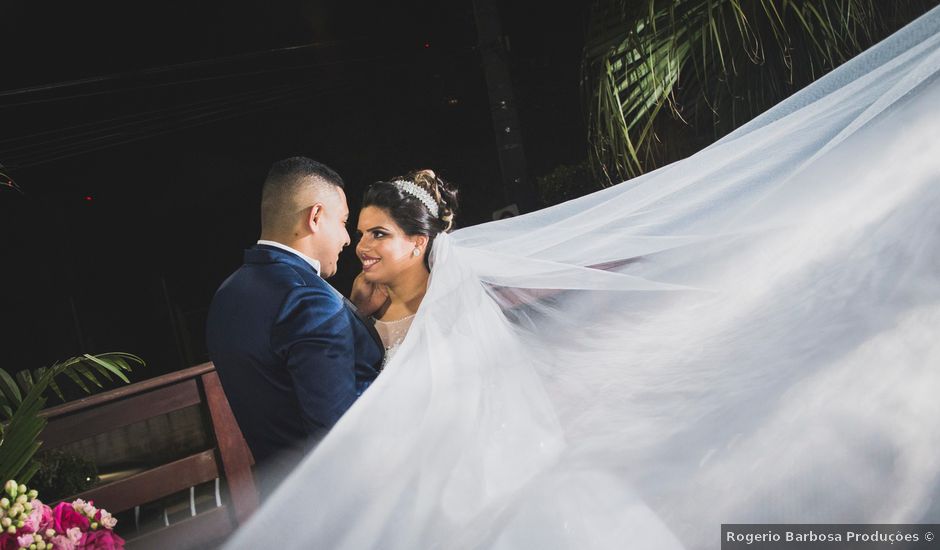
392,334
747,335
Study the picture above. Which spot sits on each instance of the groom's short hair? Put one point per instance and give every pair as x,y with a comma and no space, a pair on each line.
283,186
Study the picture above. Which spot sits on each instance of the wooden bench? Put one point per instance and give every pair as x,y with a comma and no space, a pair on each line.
230,456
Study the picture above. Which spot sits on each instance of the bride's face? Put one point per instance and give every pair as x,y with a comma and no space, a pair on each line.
384,249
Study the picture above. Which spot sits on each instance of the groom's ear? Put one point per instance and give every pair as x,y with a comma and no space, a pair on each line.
313,218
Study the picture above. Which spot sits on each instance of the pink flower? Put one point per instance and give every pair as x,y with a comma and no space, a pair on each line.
38,519
64,517
61,542
74,534
25,540
102,539
86,508
69,541
8,542
105,519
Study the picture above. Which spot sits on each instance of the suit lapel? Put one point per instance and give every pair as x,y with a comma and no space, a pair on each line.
262,253
370,326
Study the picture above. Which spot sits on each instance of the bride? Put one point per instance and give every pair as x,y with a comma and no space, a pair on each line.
745,336
397,226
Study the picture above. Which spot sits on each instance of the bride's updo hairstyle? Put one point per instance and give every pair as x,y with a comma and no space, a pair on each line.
402,199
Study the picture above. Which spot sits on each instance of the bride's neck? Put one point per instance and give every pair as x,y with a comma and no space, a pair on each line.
405,294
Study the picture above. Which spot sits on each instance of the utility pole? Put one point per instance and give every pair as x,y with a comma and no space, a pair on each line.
519,189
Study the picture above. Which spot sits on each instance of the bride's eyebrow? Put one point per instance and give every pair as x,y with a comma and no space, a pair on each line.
378,228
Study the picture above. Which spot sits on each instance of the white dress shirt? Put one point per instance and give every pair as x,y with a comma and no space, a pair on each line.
313,263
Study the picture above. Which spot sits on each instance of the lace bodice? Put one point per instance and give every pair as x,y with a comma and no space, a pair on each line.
392,334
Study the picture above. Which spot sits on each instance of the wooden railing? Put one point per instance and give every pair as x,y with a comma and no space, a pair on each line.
102,413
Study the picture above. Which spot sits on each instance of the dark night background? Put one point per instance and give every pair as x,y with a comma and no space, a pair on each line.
141,188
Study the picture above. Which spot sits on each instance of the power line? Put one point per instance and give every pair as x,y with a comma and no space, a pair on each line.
198,119
92,136
193,80
225,110
63,133
172,67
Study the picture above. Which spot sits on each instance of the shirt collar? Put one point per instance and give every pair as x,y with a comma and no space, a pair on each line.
315,264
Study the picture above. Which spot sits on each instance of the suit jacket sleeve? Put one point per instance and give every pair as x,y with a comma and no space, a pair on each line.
314,338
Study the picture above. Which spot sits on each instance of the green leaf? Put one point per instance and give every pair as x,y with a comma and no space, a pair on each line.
77,379
20,436
110,366
19,444
21,463
103,372
85,370
27,475
55,388
25,380
122,362
733,59
9,388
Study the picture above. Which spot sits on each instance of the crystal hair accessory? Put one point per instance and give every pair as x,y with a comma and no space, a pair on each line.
420,194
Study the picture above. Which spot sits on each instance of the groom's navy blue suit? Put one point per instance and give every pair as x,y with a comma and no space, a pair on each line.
291,352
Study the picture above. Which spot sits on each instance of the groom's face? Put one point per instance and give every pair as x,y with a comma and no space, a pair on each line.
333,236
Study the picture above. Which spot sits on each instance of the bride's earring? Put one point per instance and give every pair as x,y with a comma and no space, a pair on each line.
416,252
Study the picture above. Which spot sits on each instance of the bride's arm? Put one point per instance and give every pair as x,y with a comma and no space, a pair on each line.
367,297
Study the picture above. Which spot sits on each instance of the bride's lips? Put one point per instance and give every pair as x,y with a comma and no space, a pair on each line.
368,262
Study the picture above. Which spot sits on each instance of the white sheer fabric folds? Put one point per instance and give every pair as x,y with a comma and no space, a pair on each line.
749,335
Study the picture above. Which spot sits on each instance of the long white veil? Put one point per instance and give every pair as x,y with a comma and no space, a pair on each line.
749,335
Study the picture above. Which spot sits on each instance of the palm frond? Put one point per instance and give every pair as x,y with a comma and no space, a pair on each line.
10,390
25,380
710,64
18,438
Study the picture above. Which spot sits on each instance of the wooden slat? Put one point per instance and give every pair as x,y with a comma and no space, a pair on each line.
153,484
236,458
93,421
143,400
127,391
202,531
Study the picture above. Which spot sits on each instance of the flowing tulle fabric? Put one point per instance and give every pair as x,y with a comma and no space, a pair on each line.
747,335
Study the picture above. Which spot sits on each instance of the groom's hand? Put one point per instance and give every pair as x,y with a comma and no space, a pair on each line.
366,296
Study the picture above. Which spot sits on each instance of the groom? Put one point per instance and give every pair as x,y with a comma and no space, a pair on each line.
291,352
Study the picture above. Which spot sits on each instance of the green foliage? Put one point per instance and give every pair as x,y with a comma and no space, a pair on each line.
62,474
23,398
712,65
